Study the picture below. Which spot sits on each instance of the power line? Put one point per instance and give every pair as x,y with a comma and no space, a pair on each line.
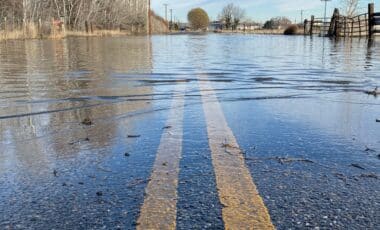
324,17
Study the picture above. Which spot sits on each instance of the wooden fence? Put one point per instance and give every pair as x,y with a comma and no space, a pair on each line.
317,26
366,24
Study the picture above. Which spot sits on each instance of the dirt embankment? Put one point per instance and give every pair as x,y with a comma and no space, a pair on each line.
159,25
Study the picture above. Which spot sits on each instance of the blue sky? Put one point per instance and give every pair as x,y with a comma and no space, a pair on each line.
258,10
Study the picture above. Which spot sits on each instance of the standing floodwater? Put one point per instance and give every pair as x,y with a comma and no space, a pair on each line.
302,111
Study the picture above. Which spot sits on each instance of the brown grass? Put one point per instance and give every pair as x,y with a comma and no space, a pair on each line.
31,32
97,33
17,34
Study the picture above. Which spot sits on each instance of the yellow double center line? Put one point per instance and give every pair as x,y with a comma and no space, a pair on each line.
159,210
243,208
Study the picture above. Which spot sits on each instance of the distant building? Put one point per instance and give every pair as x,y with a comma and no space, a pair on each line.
219,25
215,25
249,26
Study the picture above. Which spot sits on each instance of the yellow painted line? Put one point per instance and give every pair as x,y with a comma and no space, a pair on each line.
160,204
243,207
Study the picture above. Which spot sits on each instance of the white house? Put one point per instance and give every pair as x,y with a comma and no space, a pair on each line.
249,26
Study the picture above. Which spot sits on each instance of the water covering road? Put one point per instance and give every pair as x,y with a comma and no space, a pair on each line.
190,132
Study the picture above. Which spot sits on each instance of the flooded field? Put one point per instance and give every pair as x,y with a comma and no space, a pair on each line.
302,112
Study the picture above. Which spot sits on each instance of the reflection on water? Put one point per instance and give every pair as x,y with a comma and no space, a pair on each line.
125,85
48,87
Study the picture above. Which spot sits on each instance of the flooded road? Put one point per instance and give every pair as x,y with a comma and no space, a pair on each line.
201,132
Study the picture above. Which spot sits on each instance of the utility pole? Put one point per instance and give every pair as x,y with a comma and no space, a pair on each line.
149,18
171,19
324,17
166,11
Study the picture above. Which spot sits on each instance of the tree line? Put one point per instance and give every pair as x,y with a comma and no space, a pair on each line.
232,15
105,14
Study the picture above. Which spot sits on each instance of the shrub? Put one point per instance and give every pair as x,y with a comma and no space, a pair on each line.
198,19
291,30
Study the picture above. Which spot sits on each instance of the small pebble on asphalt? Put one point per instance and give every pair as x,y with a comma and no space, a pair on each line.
99,193
87,121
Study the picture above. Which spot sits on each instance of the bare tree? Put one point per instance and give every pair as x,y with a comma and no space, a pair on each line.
238,14
227,15
102,13
350,7
277,23
231,16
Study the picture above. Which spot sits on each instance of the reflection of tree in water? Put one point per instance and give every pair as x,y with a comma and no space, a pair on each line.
70,75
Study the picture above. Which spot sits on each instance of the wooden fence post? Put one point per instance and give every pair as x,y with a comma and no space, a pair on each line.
337,30
311,25
371,11
345,27
149,21
91,28
305,26
86,26
332,28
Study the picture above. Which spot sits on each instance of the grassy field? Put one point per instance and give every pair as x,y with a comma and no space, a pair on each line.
33,34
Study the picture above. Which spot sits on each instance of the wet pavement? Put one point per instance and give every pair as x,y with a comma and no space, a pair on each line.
298,108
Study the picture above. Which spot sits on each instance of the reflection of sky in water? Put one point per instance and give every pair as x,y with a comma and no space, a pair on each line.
354,122
49,87
313,82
